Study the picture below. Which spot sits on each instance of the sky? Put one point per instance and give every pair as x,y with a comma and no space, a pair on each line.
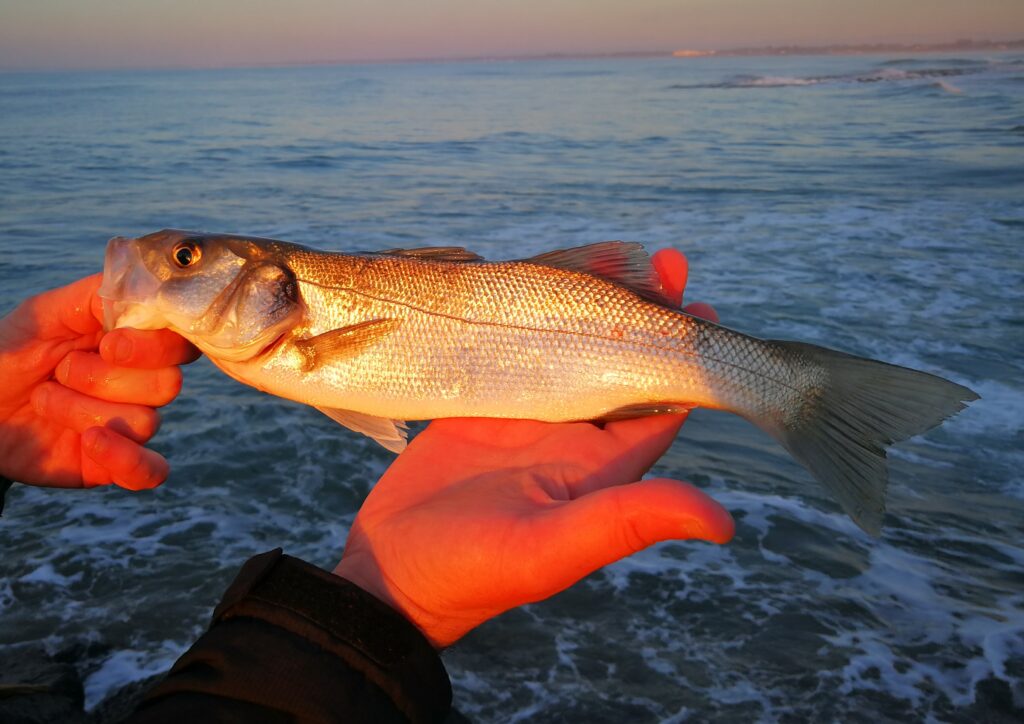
85,34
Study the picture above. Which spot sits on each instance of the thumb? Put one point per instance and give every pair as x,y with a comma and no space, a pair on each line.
70,307
612,523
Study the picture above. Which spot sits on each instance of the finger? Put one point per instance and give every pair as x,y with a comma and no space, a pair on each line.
149,349
129,464
80,412
645,439
625,451
89,374
612,523
673,270
93,474
491,432
702,310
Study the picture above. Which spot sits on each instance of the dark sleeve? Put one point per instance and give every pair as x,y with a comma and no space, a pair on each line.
290,642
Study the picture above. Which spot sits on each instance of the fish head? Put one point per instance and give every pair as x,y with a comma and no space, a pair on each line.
231,296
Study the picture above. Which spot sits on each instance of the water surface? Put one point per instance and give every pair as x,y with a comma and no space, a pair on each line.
872,204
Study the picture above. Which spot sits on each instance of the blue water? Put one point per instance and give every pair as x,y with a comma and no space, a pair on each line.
873,204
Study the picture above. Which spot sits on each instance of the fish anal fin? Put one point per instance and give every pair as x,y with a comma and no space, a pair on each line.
436,253
344,342
391,434
644,409
623,262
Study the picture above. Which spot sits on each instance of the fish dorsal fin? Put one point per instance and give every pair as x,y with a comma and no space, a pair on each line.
392,434
344,342
624,262
435,253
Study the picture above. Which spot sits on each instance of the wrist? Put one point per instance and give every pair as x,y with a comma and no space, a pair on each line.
440,631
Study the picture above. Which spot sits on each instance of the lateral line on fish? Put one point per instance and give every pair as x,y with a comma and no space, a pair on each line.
520,328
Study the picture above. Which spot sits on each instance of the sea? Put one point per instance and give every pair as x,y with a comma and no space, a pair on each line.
871,203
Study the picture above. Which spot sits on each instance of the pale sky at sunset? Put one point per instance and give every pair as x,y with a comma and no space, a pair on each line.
47,34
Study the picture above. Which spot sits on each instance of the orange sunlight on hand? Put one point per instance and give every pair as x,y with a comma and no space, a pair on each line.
479,516
76,405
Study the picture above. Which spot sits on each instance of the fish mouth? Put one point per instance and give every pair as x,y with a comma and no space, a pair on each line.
129,289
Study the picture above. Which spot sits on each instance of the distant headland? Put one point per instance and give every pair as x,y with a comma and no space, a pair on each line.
965,45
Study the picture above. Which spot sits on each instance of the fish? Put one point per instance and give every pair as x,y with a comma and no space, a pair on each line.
584,334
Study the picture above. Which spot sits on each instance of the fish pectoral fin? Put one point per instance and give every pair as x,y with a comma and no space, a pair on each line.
436,253
392,434
344,342
623,262
644,409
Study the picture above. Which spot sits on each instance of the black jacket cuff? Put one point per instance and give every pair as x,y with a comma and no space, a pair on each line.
296,643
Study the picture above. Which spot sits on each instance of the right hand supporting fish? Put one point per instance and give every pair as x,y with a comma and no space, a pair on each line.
479,516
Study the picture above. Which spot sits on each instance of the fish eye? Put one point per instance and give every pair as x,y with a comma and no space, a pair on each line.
186,254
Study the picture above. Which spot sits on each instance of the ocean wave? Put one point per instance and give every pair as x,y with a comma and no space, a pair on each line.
804,220
905,73
889,627
774,81
917,62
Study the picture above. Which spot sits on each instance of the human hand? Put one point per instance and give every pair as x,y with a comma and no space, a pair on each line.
479,516
76,405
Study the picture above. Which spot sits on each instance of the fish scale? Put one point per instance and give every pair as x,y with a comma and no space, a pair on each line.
560,349
580,334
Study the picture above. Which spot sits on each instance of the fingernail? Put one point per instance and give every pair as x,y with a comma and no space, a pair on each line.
122,349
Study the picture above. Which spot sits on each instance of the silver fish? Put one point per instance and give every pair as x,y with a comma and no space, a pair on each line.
580,334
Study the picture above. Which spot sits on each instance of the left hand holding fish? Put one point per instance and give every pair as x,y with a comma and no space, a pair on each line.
479,516
77,405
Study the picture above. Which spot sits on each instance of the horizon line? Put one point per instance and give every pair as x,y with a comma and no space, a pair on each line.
969,45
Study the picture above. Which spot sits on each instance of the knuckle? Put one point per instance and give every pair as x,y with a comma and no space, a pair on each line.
632,537
629,526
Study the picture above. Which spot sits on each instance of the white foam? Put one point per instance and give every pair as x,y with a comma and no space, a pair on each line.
915,596
770,81
48,575
129,665
999,412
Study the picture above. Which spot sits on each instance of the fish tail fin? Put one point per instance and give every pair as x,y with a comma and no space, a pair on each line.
845,422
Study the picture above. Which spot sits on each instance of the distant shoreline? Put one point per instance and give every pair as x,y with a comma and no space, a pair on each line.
965,46
959,46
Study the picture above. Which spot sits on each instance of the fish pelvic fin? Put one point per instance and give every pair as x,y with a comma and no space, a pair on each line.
391,434
847,421
644,409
